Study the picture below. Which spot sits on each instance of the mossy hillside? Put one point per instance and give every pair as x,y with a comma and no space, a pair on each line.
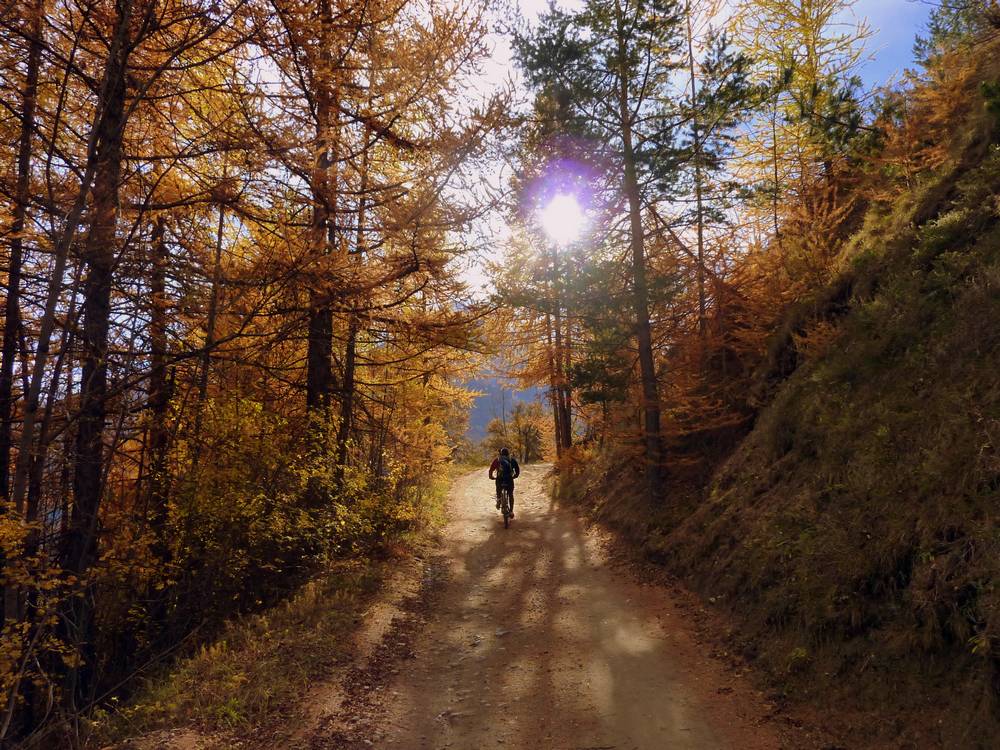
855,530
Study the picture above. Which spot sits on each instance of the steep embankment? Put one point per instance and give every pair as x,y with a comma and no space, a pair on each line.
853,533
855,530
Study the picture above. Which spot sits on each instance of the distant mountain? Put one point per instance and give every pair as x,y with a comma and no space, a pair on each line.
499,397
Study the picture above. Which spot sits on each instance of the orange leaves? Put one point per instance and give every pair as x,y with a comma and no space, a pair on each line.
928,109
817,339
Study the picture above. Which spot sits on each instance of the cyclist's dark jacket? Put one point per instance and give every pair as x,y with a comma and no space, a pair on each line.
495,473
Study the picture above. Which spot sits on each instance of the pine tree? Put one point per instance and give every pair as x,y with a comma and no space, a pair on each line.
720,96
613,62
953,23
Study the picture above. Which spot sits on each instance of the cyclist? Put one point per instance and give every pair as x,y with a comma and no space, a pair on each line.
505,470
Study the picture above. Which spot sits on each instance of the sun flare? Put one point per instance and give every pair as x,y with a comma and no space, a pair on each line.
562,219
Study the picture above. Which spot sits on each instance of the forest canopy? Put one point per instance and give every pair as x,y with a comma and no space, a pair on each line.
233,327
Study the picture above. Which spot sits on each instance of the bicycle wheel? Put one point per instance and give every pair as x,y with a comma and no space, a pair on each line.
505,506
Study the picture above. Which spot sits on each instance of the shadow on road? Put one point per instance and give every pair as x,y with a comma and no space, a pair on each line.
537,644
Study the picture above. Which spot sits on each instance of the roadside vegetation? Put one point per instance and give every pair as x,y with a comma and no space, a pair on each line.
233,328
761,299
258,669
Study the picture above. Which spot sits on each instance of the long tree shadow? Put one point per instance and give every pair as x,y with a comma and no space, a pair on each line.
542,647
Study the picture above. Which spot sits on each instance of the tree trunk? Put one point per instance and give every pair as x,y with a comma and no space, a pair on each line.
319,373
79,549
347,397
564,432
158,399
640,292
319,353
113,80
350,348
698,187
553,387
64,361
205,361
774,164
567,389
12,307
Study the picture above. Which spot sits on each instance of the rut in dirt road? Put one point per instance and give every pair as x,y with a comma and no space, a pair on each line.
536,642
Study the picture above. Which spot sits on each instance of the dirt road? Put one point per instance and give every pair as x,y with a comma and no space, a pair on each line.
533,640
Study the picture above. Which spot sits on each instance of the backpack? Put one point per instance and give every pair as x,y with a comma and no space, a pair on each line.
506,473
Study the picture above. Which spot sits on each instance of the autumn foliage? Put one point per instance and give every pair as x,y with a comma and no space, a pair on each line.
233,321
823,341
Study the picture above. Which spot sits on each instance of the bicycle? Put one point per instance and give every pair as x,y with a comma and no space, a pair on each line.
506,502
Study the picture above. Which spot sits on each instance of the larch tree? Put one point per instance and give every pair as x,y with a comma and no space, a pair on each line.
805,52
209,209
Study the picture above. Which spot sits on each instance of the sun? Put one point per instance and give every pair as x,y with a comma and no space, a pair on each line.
562,219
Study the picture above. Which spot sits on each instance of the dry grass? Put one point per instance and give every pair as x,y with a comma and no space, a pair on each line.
258,666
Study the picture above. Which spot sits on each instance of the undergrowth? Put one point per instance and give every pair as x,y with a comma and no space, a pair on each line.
854,528
262,665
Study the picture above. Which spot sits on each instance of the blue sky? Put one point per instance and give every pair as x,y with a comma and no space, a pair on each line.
894,23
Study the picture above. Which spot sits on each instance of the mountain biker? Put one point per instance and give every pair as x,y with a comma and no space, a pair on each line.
505,470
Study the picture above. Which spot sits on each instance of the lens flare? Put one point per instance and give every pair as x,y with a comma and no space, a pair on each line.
562,219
